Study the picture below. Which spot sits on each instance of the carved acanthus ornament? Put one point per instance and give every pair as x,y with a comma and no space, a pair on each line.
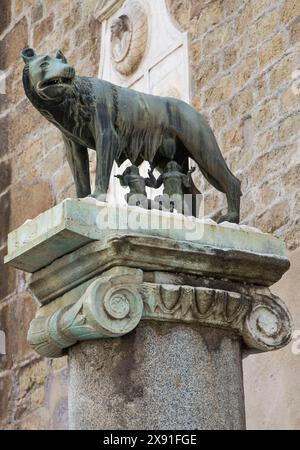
114,303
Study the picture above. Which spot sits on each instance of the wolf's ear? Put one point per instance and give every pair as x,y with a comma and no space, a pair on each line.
28,54
60,55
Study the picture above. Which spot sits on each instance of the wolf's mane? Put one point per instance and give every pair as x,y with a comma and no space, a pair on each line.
77,107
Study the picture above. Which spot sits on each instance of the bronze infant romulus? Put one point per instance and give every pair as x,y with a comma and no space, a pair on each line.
122,124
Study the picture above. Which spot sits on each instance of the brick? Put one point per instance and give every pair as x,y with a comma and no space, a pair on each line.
12,44
292,236
196,52
42,29
220,117
212,202
31,376
17,94
246,70
5,16
207,72
7,277
37,420
4,102
4,121
5,216
247,206
231,55
5,397
288,99
19,128
297,205
94,39
266,114
269,192
295,31
196,101
281,72
291,180
5,179
196,8
289,126
52,162
244,18
65,7
59,363
261,87
14,84
239,159
218,38
73,19
268,163
52,138
275,217
25,311
219,92
210,16
18,7
38,397
80,35
180,13
265,140
290,10
7,321
271,50
242,103
28,201
68,192
30,153
232,138
20,311
260,6
63,178
37,12
263,28
231,7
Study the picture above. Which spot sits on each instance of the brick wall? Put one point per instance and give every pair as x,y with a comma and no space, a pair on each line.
33,177
244,55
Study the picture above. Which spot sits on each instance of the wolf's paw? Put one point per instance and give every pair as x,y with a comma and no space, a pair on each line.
100,196
230,217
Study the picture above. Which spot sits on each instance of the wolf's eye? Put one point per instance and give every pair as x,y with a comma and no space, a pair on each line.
44,64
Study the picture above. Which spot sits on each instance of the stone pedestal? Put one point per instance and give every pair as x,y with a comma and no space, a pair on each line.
155,311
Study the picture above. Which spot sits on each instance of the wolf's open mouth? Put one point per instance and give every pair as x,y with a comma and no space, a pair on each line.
53,82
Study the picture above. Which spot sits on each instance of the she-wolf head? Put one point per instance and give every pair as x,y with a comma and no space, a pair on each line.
50,77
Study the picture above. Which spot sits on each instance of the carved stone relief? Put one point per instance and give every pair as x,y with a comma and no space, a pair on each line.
114,304
129,34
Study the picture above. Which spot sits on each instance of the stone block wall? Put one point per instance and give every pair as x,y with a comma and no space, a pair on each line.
245,62
34,176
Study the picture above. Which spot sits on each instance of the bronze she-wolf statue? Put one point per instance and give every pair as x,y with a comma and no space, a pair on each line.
122,124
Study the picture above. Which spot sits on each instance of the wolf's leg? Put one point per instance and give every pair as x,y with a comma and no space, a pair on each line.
105,160
78,159
233,195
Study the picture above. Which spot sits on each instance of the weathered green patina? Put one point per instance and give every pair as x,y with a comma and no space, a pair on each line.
122,124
